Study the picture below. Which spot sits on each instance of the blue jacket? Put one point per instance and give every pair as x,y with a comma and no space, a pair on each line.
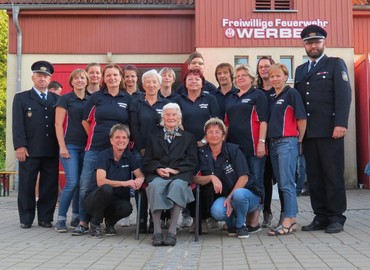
234,166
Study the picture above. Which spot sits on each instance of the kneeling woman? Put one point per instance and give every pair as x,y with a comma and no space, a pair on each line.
169,163
111,199
224,169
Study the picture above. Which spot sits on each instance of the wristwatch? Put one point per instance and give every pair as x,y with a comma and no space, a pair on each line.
203,141
262,140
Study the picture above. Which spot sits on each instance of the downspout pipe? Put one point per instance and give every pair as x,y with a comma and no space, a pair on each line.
16,10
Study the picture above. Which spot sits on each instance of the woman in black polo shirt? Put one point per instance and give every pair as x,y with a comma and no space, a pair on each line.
197,107
72,143
287,125
105,108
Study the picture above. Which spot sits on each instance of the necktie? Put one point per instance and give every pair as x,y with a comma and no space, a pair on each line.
312,64
43,98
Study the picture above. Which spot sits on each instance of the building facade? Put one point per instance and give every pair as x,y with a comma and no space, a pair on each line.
157,33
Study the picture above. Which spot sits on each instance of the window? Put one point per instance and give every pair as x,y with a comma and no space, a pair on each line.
273,4
288,62
240,60
304,59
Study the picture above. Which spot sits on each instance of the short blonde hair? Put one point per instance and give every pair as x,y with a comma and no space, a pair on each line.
278,66
249,71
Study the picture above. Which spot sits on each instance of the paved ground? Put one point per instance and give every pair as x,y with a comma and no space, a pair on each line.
39,248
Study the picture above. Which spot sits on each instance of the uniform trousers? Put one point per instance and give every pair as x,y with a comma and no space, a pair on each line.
325,177
48,188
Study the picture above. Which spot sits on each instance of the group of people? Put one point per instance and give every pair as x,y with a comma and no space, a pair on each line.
233,141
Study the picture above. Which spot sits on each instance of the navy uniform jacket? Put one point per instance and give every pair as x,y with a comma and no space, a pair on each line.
326,93
33,124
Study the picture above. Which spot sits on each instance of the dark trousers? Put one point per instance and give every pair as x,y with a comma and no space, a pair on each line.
325,177
101,203
268,177
48,188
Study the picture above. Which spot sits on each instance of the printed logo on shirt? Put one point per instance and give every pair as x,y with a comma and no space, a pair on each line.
203,106
124,166
159,111
280,101
246,100
122,105
228,169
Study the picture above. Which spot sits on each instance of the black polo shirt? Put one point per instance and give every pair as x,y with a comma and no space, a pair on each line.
117,170
145,119
221,99
74,132
137,94
243,117
285,109
170,98
103,111
195,114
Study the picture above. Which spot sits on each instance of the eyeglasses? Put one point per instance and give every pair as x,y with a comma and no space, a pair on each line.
215,132
242,76
265,67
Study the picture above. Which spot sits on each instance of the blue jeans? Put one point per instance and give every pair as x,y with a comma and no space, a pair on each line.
256,167
300,174
87,181
243,201
72,168
284,155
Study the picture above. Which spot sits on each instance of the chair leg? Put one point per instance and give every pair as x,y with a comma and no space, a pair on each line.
138,208
197,218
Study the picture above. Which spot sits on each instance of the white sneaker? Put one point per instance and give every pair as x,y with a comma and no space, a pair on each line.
186,222
223,225
125,222
212,224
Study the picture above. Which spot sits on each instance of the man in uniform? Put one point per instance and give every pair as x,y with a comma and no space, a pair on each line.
36,148
323,83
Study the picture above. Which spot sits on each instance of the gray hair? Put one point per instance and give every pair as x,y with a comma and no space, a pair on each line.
174,106
119,127
151,73
215,122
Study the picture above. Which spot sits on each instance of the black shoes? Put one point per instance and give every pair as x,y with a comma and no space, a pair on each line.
157,240
45,224
334,227
25,225
170,240
314,226
110,231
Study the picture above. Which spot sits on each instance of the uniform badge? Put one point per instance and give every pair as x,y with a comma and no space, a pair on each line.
344,76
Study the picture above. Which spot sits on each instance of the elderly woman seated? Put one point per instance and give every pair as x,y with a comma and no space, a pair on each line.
232,191
170,161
